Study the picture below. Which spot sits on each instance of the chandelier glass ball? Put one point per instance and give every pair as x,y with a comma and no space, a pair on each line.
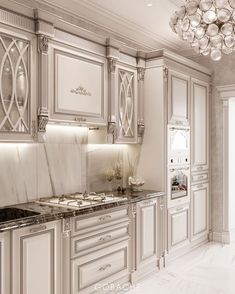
207,25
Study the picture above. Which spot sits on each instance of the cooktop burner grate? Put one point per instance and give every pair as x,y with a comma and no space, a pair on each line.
81,200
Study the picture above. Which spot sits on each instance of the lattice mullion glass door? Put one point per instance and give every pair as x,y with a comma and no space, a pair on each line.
14,85
126,106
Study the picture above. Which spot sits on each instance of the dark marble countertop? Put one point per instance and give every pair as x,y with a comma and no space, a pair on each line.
47,213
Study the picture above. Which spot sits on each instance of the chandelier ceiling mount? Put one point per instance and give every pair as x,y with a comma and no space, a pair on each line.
207,25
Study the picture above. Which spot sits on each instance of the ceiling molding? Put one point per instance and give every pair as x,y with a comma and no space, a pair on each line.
121,27
78,17
126,24
226,92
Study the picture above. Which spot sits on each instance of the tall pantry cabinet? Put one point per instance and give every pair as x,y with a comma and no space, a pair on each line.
176,93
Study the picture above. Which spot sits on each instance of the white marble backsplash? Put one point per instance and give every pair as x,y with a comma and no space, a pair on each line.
100,158
62,162
55,166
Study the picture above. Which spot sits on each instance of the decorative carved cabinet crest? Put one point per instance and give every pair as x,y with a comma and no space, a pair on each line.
141,73
112,62
81,91
43,44
42,122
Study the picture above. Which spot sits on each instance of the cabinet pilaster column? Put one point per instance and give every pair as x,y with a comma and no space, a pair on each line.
112,119
45,32
141,125
140,76
133,240
43,107
112,56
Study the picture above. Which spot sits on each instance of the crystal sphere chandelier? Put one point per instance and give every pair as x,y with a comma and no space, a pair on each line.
207,25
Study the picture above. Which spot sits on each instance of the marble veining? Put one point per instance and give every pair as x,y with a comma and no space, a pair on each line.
49,213
54,166
209,269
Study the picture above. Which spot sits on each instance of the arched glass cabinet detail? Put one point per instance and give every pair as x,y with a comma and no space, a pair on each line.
125,104
126,101
15,89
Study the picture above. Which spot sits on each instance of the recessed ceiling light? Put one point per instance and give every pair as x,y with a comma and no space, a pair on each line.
149,4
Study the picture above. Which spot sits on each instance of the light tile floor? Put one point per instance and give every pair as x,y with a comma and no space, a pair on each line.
209,269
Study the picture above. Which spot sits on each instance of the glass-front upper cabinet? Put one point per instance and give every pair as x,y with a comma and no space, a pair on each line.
17,122
126,102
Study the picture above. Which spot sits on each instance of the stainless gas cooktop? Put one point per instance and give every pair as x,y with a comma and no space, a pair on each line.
81,200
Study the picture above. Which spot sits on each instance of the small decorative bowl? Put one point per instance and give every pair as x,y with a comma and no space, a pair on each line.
135,183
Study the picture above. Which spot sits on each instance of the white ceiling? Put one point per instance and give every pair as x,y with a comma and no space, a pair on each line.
144,25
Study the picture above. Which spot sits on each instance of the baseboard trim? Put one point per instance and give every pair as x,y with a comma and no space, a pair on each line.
222,237
172,255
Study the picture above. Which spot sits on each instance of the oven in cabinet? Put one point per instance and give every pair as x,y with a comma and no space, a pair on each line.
179,184
178,145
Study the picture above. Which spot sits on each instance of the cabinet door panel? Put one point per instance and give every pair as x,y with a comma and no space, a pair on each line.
36,260
200,100
126,105
17,88
178,98
200,211
42,245
5,263
178,226
78,87
146,231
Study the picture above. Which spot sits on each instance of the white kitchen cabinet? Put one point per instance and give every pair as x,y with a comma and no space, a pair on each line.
126,105
199,125
94,271
78,82
5,263
178,227
123,104
36,259
148,237
178,98
100,251
17,85
146,232
199,211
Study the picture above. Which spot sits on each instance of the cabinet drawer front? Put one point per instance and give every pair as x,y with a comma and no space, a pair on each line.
199,168
95,271
102,219
199,187
200,177
83,244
